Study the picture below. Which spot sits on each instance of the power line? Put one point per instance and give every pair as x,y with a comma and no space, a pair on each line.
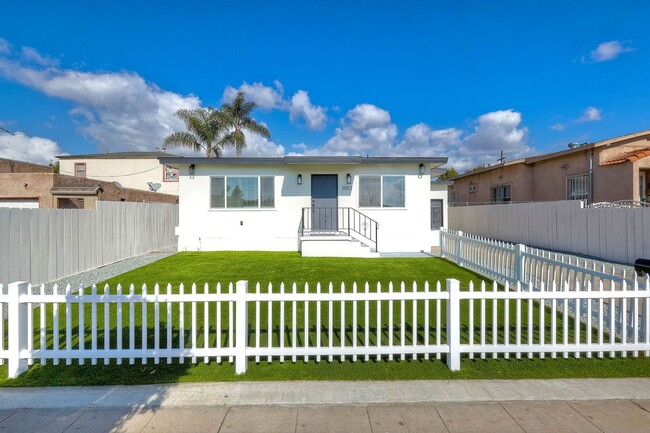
7,131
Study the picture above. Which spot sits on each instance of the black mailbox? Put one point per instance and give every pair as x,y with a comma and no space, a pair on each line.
642,266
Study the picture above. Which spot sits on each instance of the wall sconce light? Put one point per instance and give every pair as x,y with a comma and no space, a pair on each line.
348,178
299,179
421,170
191,170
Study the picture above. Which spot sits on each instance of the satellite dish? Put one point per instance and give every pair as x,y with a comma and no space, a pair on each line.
117,184
153,186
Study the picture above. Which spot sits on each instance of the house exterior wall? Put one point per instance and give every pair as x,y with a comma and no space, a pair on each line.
129,172
23,186
21,189
551,175
545,178
205,229
518,176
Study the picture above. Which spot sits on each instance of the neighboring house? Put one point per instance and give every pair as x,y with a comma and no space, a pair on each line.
605,171
26,185
137,170
322,206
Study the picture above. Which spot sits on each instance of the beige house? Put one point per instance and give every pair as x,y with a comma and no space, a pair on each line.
26,185
605,171
137,170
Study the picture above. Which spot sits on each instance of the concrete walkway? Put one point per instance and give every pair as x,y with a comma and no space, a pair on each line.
571,405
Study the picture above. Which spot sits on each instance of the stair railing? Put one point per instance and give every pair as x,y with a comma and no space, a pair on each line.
348,220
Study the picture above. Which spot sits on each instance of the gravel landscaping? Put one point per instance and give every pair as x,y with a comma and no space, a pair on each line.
103,273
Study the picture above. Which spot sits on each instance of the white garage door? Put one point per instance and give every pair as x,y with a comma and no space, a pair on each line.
27,203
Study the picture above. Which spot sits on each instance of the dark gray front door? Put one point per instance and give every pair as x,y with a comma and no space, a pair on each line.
324,203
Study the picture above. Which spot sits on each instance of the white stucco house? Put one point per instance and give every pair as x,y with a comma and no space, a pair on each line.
137,170
349,206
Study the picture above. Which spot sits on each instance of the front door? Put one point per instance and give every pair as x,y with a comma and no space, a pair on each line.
324,211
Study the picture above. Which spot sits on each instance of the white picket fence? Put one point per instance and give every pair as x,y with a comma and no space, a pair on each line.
506,262
234,325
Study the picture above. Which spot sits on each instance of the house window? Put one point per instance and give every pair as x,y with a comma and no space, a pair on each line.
80,169
501,194
170,174
453,197
473,187
241,192
578,187
381,191
436,214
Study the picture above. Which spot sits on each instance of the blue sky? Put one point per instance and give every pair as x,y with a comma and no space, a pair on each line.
447,78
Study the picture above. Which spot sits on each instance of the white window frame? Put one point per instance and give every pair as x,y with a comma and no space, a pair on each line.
572,181
381,191
225,193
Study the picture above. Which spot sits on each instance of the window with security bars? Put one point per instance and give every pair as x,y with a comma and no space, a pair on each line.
501,193
578,187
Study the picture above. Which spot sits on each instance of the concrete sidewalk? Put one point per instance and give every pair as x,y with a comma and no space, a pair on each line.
571,405
324,393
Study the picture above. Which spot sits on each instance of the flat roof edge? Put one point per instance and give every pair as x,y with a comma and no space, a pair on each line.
286,160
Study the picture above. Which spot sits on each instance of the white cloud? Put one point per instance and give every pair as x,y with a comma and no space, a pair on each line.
30,55
256,145
266,98
117,110
558,127
366,129
606,51
421,140
269,98
301,106
591,114
498,130
5,46
22,147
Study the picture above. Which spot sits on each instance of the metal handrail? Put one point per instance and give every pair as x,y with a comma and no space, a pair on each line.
348,220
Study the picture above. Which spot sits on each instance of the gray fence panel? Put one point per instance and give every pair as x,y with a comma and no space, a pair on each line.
614,234
41,245
5,245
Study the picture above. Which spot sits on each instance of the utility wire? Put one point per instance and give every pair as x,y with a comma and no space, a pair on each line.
7,131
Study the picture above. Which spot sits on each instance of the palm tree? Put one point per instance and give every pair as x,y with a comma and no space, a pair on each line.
236,118
205,130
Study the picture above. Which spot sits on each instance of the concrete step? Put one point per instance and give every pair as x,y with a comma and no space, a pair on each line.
335,246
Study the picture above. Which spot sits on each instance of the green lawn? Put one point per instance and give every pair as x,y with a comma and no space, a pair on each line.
227,267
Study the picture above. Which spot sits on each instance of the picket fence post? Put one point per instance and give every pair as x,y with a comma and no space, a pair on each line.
519,263
459,248
17,324
453,324
241,327
442,242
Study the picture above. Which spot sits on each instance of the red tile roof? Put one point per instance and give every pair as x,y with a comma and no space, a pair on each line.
632,156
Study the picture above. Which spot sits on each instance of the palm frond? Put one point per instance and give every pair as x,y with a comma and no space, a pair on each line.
236,117
183,139
253,126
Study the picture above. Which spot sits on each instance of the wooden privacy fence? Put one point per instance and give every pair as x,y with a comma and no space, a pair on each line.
42,245
373,323
613,234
